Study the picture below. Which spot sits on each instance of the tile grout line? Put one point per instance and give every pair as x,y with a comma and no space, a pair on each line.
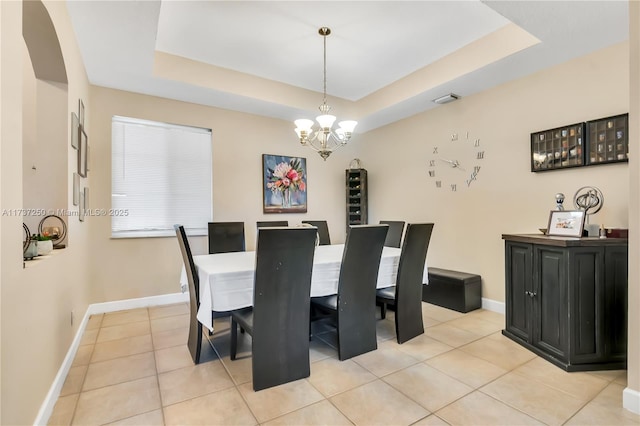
155,363
233,380
93,348
586,402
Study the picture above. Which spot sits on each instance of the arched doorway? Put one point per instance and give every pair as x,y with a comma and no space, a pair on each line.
45,152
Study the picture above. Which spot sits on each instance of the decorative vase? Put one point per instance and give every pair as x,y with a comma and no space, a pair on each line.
286,198
32,250
45,247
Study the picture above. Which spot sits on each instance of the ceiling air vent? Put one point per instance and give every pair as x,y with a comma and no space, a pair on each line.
446,98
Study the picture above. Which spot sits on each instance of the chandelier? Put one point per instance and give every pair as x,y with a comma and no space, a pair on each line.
325,140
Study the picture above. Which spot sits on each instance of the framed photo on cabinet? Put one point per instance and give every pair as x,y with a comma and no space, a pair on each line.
566,223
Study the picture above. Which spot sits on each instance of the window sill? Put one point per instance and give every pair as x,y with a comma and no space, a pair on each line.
157,234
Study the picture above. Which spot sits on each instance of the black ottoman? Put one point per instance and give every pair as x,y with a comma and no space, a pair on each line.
455,290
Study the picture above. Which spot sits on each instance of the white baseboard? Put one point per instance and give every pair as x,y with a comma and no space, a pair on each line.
97,308
493,305
631,400
143,302
54,391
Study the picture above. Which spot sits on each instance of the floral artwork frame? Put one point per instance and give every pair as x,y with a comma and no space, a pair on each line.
566,223
284,184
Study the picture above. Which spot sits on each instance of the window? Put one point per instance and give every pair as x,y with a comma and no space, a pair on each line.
160,176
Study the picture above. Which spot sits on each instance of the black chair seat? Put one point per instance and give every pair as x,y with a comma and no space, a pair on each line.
388,293
244,318
327,302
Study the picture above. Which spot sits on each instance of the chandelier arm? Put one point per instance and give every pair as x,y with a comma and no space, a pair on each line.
331,143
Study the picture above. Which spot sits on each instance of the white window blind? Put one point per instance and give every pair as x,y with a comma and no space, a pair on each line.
160,176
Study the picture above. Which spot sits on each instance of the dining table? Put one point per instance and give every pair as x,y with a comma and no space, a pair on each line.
226,279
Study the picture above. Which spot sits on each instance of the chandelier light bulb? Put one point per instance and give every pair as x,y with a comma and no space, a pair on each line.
348,125
326,121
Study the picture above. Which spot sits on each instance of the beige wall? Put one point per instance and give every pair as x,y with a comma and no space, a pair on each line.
37,301
507,197
633,374
129,268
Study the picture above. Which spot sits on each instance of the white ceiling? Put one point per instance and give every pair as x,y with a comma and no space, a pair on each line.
257,51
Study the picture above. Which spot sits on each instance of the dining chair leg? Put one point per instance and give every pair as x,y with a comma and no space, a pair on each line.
234,340
383,311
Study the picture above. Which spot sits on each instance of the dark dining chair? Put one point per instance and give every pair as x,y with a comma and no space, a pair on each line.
226,237
323,230
394,236
272,223
279,320
354,307
406,295
194,341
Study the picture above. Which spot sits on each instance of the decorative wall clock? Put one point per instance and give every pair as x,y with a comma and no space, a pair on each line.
455,164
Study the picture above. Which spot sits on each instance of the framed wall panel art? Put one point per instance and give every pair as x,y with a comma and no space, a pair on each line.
558,148
82,153
75,129
76,189
608,140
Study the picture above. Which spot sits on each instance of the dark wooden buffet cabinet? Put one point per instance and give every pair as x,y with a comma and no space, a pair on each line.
566,299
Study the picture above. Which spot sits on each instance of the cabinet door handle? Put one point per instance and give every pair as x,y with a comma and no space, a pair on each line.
530,293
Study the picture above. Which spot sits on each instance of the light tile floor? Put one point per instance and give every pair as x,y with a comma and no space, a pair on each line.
133,368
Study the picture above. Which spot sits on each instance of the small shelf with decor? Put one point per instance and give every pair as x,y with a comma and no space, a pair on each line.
558,148
608,140
356,192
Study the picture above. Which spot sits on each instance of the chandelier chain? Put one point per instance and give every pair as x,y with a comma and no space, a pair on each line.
324,89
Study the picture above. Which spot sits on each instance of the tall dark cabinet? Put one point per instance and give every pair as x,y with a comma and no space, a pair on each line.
356,184
566,299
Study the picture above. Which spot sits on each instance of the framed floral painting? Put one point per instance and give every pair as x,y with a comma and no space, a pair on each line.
284,188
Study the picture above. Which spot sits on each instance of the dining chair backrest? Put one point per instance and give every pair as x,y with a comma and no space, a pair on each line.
356,304
282,291
272,223
409,281
394,236
194,340
323,230
225,237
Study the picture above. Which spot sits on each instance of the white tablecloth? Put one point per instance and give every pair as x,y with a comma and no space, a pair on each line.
226,279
